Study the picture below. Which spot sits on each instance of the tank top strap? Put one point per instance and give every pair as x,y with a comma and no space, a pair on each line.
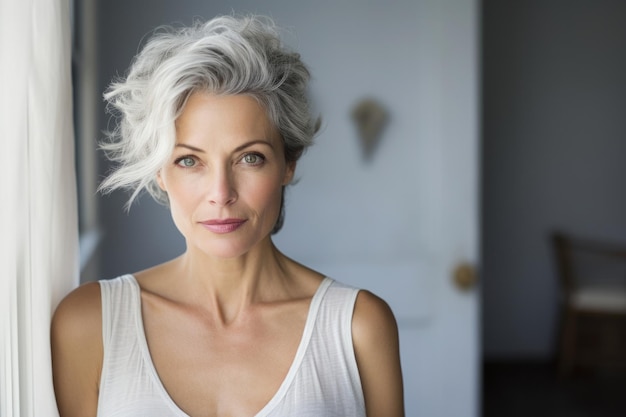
120,306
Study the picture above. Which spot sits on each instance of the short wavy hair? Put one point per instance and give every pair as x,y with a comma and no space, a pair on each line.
226,55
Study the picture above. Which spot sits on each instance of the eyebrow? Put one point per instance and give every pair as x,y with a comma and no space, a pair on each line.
237,149
192,148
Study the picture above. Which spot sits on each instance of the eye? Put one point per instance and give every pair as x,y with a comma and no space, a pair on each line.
185,162
253,159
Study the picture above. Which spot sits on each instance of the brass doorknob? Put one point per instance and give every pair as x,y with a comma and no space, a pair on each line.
465,276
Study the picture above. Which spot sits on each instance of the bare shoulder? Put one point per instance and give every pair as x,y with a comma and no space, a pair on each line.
372,318
77,352
79,311
377,351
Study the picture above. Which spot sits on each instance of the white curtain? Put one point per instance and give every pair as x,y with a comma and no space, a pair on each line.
38,219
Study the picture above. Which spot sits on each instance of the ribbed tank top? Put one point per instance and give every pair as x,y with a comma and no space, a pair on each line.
323,380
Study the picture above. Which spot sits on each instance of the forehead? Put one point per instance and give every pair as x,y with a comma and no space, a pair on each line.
240,116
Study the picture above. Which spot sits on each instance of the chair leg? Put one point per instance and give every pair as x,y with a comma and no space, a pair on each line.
567,354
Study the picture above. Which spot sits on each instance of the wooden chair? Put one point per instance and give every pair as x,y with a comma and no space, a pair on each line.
593,322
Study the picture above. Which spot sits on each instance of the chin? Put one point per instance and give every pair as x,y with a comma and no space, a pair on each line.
219,251
227,248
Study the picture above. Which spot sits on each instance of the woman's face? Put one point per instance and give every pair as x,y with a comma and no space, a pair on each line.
226,173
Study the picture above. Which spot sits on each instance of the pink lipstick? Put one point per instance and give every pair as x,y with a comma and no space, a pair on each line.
222,226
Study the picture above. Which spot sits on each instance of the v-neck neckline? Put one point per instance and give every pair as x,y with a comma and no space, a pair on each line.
284,386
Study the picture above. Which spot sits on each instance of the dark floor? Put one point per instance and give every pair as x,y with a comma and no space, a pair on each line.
534,390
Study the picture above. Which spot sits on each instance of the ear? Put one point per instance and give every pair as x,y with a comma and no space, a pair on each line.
160,181
290,171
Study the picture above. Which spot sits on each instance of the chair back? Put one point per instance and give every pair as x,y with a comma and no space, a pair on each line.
587,264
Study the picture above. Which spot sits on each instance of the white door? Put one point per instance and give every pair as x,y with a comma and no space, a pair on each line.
399,223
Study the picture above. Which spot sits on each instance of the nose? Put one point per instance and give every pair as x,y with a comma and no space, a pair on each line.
221,188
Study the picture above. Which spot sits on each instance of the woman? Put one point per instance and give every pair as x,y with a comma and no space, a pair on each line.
213,119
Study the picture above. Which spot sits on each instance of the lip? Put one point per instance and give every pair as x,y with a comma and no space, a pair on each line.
221,226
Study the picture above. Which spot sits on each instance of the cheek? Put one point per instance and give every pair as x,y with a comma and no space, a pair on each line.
261,196
266,192
269,198
179,185
179,207
183,198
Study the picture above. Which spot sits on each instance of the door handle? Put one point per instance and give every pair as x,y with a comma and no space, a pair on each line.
465,276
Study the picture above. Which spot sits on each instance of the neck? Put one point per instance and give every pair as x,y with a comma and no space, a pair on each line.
229,287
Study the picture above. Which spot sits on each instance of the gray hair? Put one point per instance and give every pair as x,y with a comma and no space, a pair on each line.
226,55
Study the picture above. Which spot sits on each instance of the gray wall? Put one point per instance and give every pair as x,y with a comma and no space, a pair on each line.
554,122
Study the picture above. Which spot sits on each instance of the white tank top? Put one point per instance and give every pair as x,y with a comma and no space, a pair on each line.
323,380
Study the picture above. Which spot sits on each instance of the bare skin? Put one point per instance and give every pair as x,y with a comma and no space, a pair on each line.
227,316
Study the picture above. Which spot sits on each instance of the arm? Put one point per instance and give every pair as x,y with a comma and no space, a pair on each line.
76,339
376,346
